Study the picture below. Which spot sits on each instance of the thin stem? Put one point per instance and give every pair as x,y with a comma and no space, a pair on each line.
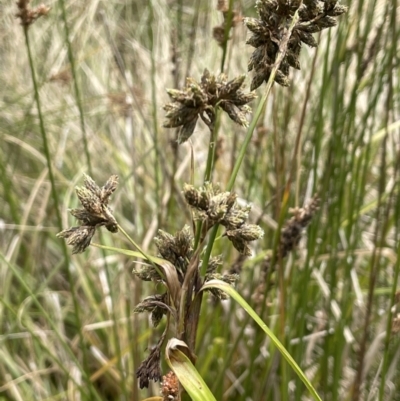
154,113
145,255
46,150
228,26
76,86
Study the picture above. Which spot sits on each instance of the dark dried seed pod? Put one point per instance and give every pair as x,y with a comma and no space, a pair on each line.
183,242
293,60
194,198
187,130
233,86
256,58
241,246
91,185
329,5
310,28
254,25
307,38
282,79
108,189
257,40
88,219
326,22
234,113
314,8
284,67
338,10
259,78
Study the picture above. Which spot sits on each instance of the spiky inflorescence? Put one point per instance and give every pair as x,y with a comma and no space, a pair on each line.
268,32
292,230
200,99
150,368
29,15
157,305
95,213
177,248
212,274
216,207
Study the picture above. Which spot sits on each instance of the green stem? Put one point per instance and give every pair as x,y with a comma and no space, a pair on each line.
154,114
71,281
76,86
141,251
228,26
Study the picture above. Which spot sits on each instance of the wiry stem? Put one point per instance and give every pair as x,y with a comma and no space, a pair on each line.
46,150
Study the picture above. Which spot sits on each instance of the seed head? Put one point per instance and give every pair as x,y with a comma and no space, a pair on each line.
291,232
177,248
156,305
213,206
269,29
150,368
200,99
78,237
29,15
95,213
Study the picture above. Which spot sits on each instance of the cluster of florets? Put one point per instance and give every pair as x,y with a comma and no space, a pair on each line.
269,30
200,99
95,213
213,206
28,15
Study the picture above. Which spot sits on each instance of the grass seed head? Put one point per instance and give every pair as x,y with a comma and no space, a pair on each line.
269,29
150,368
292,231
95,213
28,15
78,237
200,99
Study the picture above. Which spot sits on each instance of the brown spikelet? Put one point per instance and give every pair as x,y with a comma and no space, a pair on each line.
269,30
201,99
95,213
28,15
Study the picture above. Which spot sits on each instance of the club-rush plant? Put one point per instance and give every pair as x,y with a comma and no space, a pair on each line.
184,265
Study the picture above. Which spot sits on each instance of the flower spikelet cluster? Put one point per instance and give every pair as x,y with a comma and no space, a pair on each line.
95,213
154,304
213,206
200,99
177,248
291,232
212,274
150,368
29,15
269,29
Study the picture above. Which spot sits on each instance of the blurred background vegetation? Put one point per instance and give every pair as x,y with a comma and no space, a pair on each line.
67,331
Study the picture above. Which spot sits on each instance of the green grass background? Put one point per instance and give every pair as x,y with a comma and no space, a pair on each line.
66,326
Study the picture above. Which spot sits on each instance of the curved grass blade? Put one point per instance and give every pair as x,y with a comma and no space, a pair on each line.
238,298
177,355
